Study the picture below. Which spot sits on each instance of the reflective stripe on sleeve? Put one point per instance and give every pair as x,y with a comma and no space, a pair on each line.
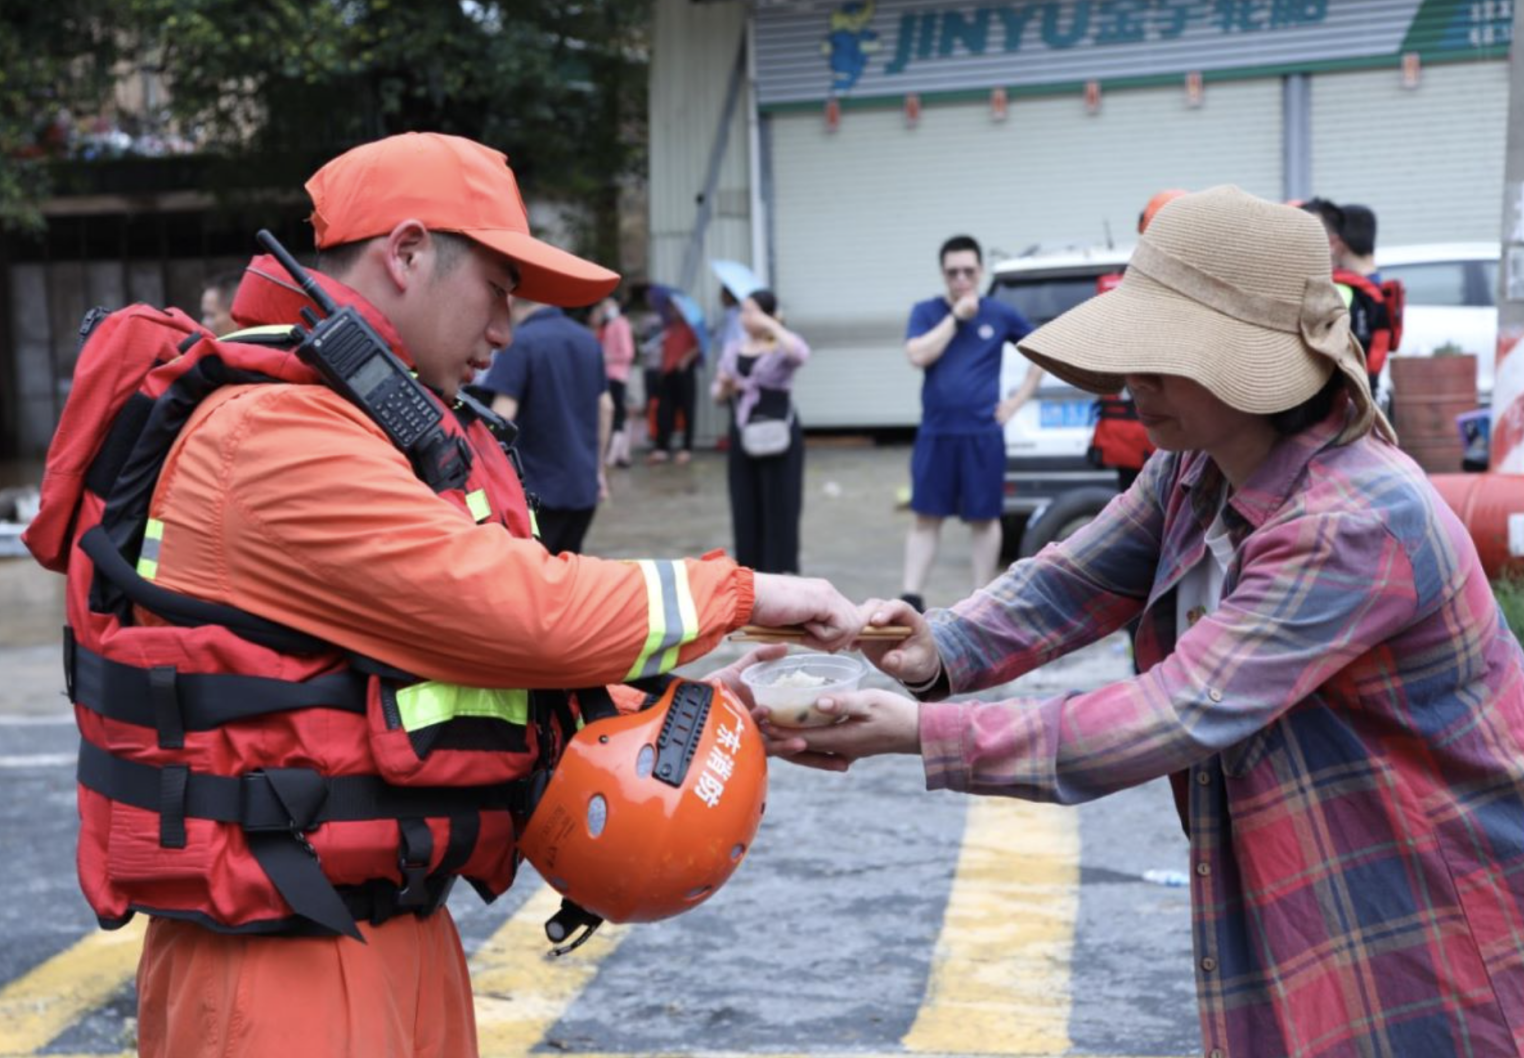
476,503
672,618
428,703
148,557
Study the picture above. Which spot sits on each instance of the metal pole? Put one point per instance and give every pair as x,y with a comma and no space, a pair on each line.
1296,137
695,248
760,259
1508,373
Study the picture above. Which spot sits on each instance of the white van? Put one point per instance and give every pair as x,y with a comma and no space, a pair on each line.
1451,293
1051,487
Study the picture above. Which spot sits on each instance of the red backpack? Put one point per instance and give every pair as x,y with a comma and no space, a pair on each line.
1375,315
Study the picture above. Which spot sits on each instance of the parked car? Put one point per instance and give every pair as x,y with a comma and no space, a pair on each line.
1051,488
1451,292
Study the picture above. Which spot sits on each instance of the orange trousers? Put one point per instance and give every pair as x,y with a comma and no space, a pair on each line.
405,993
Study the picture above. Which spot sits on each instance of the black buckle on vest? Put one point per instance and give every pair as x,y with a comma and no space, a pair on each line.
413,854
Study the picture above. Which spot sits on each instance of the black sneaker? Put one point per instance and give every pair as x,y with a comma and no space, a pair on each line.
916,602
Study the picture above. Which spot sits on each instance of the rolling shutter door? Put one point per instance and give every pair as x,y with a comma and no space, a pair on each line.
1428,160
860,213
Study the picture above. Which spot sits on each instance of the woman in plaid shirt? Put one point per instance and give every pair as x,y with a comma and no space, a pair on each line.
1326,677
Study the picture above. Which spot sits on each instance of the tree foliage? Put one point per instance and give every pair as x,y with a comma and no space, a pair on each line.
54,56
271,86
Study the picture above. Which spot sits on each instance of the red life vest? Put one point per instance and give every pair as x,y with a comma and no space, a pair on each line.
235,772
1120,439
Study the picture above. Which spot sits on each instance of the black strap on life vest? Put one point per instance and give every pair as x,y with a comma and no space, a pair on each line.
116,447
175,702
187,611
277,807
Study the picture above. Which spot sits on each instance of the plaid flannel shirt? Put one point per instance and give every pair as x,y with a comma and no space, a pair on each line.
1343,732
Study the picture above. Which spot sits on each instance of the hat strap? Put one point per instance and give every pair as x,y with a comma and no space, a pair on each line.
1187,280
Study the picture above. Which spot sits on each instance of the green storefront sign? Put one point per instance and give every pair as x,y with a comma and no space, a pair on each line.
868,49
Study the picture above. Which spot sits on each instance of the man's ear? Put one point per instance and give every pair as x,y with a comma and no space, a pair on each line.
409,250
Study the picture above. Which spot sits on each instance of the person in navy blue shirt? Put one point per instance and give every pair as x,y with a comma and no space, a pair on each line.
550,381
958,465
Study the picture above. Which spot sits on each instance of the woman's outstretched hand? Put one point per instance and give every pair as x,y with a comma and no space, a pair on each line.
873,723
912,660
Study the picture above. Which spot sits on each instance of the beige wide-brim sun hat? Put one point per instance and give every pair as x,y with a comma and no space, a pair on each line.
1230,291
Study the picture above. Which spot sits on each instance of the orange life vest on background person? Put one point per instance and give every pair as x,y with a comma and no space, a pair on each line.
1120,441
234,772
1375,315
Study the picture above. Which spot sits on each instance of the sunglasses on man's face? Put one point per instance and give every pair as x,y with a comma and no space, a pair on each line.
954,273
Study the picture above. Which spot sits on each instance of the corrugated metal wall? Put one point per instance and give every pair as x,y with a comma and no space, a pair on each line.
860,213
695,48
1428,160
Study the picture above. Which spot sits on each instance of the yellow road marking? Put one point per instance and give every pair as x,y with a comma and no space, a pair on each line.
521,990
999,984
1000,981
42,1003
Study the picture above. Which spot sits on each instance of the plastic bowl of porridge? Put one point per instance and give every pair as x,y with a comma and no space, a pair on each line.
790,686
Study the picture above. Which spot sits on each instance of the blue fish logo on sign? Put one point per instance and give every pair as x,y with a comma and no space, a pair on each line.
849,44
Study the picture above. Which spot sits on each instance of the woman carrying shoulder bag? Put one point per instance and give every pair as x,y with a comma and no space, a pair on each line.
756,375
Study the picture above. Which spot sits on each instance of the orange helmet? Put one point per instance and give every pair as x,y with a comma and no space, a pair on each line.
647,814
1155,204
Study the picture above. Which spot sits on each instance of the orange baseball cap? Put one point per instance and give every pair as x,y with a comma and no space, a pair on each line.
1155,204
447,183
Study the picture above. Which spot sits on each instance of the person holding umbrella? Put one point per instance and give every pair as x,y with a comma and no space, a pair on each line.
684,345
737,282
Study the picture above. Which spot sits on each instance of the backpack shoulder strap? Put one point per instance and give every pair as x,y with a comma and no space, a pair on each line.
278,335
1360,284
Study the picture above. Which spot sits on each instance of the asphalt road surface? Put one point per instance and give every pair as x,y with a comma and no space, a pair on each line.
871,917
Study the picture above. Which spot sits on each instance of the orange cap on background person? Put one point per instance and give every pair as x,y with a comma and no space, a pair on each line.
447,183
1155,204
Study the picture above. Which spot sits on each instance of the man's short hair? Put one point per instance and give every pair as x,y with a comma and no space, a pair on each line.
959,243
338,260
1359,230
1331,215
226,286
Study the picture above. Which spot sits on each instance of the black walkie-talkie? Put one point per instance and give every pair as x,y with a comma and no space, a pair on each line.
357,362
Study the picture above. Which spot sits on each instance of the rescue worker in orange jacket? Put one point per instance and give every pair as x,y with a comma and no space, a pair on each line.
288,502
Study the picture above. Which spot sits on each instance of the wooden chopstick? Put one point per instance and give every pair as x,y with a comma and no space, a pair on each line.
791,633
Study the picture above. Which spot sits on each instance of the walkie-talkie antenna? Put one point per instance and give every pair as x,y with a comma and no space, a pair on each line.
303,279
